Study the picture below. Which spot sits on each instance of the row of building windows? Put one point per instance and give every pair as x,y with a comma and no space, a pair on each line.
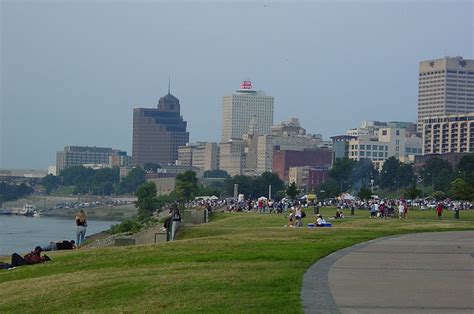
431,73
370,154
369,147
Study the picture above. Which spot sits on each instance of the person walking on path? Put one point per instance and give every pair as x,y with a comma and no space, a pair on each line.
81,223
439,210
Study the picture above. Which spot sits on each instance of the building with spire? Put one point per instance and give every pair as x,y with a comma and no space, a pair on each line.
157,133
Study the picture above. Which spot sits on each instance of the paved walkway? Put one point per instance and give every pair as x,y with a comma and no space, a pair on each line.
415,273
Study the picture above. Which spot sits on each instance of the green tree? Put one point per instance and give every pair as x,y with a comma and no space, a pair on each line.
389,173
465,169
438,173
186,185
261,184
10,192
412,193
292,190
328,189
217,173
439,195
365,194
132,181
396,175
77,176
146,200
362,172
50,183
244,186
341,172
461,190
405,175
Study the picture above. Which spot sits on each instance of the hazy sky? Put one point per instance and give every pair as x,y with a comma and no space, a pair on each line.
72,72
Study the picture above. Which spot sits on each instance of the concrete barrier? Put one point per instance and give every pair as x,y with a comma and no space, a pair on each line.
196,217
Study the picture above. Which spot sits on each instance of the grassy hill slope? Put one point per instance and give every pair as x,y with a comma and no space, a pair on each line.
240,262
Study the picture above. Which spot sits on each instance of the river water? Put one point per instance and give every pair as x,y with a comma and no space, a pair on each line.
21,234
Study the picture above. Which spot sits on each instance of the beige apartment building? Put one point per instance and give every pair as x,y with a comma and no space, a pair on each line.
232,157
448,134
389,142
239,108
202,155
445,86
288,135
253,153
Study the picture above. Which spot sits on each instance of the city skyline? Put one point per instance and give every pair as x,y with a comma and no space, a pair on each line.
67,83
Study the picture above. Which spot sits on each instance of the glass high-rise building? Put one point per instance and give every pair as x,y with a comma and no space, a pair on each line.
239,108
445,86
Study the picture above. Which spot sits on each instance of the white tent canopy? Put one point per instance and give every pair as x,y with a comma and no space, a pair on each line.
347,196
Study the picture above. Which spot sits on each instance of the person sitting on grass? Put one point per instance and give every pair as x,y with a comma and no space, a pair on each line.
60,245
291,220
320,220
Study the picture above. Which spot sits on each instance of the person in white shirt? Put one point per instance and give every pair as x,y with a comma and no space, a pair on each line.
401,210
319,220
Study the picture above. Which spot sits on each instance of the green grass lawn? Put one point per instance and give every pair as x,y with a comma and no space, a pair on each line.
240,262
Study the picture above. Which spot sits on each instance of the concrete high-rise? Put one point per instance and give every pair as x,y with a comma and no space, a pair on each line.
157,133
239,108
445,86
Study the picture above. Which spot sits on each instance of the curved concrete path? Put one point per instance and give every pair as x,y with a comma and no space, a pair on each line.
414,273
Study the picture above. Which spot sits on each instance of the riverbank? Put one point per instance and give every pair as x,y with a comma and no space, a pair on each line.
67,207
21,234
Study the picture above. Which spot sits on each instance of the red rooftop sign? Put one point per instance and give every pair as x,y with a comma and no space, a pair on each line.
246,85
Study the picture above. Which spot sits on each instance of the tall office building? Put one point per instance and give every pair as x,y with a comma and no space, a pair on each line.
241,107
445,86
157,133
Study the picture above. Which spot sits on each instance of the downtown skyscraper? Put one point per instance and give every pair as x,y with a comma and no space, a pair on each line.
445,87
242,107
157,133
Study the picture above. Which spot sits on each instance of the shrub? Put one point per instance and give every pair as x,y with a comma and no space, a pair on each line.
128,225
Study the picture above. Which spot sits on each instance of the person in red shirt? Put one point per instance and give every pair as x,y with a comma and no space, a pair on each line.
439,210
34,257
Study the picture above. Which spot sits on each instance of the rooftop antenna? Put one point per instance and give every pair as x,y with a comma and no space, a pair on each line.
169,84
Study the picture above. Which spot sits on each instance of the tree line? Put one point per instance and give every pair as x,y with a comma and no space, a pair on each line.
11,192
437,178
97,182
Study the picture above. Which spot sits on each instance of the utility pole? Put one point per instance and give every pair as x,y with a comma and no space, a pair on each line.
236,190
270,192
